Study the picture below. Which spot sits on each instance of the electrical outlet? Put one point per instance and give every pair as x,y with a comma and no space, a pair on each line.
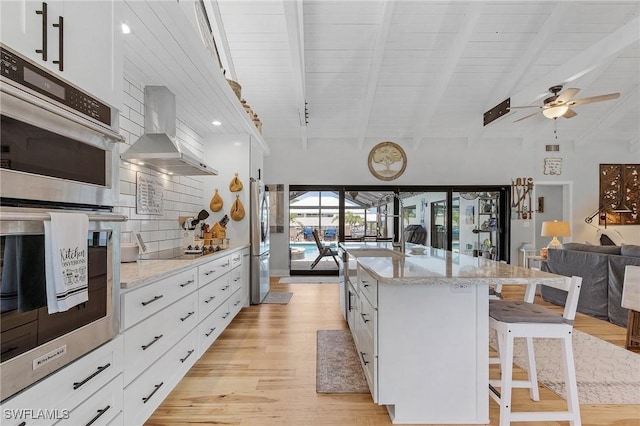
460,288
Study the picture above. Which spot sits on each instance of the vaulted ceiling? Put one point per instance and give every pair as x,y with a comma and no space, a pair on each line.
423,72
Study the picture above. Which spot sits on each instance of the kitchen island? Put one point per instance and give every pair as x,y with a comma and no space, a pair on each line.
420,324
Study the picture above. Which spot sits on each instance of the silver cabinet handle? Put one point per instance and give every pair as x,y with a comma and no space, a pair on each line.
210,331
209,299
362,354
364,319
188,355
226,315
210,272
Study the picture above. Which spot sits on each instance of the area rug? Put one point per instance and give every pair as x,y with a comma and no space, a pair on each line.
606,373
338,368
278,297
309,280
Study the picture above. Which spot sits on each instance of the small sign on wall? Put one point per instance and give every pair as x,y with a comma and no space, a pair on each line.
149,194
553,166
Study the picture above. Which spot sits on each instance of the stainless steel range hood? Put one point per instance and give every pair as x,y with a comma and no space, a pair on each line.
158,148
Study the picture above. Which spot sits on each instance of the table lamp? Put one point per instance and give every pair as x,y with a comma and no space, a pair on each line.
555,229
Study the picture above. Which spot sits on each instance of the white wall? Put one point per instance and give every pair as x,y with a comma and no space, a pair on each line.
487,162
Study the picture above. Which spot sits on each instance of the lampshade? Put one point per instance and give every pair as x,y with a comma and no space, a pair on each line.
555,229
555,112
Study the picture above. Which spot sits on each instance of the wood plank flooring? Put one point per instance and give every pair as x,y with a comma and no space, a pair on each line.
262,369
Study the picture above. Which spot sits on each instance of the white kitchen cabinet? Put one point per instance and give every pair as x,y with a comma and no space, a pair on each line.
100,408
64,392
90,46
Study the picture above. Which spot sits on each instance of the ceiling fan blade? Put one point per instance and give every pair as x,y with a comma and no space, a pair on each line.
527,116
594,99
566,96
570,113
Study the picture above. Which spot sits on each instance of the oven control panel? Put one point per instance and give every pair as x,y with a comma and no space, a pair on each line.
20,70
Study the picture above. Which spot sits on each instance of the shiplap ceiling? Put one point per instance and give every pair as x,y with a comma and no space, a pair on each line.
424,72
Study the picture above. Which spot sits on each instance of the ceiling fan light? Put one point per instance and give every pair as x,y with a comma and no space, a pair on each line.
555,111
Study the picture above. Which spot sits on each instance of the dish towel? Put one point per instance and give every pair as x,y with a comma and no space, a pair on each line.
66,260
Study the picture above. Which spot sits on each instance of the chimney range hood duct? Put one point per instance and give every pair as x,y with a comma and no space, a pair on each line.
158,148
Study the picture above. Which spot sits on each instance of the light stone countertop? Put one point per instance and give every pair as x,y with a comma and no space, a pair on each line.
438,266
142,272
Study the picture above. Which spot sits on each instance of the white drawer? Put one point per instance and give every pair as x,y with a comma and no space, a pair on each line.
146,342
102,407
367,316
212,326
368,286
213,269
236,259
141,303
368,360
68,387
117,420
145,394
237,300
213,295
236,279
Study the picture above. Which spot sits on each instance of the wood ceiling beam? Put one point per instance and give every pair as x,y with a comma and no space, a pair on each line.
294,18
374,71
434,93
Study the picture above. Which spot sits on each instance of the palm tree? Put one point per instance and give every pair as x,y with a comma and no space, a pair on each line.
350,219
293,220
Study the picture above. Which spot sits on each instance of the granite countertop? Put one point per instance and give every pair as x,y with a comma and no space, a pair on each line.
438,266
144,271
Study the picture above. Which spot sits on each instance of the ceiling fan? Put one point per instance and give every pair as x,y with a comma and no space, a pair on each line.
559,104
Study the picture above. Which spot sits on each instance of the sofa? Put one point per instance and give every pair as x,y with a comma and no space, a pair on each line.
602,272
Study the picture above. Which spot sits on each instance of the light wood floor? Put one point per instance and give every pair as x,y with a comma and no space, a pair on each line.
262,369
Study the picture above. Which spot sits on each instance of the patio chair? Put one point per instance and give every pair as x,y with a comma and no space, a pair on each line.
323,251
330,234
308,233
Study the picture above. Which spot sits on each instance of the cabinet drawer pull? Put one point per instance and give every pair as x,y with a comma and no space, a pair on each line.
364,318
188,315
226,315
210,272
100,413
187,283
362,354
77,385
245,255
210,331
144,400
23,424
225,287
225,265
152,300
209,299
6,351
365,285
155,339
60,27
350,301
237,303
236,280
43,12
188,355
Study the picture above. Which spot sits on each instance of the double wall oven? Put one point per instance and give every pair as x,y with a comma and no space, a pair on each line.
58,153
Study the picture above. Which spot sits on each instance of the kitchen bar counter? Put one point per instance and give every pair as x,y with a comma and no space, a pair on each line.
421,326
144,271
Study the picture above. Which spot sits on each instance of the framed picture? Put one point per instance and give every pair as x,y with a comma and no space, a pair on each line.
470,215
387,161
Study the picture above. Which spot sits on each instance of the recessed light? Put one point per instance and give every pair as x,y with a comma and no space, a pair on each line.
216,123
170,173
140,163
125,28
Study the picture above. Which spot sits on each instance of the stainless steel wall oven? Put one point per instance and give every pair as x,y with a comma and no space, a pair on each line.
58,152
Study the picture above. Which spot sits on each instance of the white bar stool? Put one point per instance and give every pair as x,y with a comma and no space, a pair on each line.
524,319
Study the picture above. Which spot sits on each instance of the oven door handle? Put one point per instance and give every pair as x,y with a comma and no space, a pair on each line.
41,217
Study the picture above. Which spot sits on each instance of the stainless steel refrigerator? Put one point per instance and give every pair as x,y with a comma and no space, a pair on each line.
259,237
